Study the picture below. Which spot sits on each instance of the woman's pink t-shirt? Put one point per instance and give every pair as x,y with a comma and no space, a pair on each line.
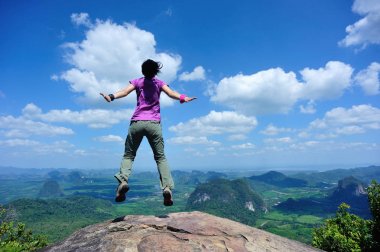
148,99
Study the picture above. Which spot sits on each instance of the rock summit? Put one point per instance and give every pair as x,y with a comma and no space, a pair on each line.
184,231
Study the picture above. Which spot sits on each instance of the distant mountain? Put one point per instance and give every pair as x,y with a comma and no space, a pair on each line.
349,190
279,179
365,174
349,187
56,175
195,177
14,172
144,175
59,174
186,178
70,176
230,199
211,175
75,177
49,189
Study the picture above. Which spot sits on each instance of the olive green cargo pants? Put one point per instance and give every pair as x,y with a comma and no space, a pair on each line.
153,132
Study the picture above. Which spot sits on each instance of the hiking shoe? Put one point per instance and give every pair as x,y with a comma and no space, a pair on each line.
167,197
122,189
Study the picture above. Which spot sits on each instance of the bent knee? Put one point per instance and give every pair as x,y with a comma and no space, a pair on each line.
159,157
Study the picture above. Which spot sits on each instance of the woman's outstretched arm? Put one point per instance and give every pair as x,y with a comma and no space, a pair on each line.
175,95
119,94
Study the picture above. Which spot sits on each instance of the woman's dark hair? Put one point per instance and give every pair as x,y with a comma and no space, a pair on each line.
150,68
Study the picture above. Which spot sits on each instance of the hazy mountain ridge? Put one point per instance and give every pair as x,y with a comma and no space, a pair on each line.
279,179
195,177
349,190
365,174
54,173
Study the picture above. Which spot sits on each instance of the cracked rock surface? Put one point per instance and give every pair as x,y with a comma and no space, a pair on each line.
186,231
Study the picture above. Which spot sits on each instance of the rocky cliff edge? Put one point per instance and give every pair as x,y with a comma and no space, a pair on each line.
185,231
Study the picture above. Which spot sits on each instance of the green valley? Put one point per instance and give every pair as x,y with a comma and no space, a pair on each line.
290,204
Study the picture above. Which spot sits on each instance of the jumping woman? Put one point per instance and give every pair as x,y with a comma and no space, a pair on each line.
146,121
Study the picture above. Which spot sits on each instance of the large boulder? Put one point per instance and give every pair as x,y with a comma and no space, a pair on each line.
186,231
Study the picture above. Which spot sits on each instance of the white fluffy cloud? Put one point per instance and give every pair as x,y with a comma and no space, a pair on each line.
267,91
94,118
275,91
237,137
15,127
110,56
216,123
81,19
368,79
244,146
191,140
309,108
354,120
284,140
109,138
333,146
272,130
367,30
350,130
22,146
18,142
328,82
197,74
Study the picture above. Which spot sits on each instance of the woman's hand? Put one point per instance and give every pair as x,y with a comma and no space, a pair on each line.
119,94
189,99
106,97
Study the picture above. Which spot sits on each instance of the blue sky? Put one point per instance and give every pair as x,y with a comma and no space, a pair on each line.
280,84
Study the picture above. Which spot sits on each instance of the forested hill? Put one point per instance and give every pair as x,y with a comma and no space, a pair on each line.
349,190
278,179
71,213
50,188
232,199
349,187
